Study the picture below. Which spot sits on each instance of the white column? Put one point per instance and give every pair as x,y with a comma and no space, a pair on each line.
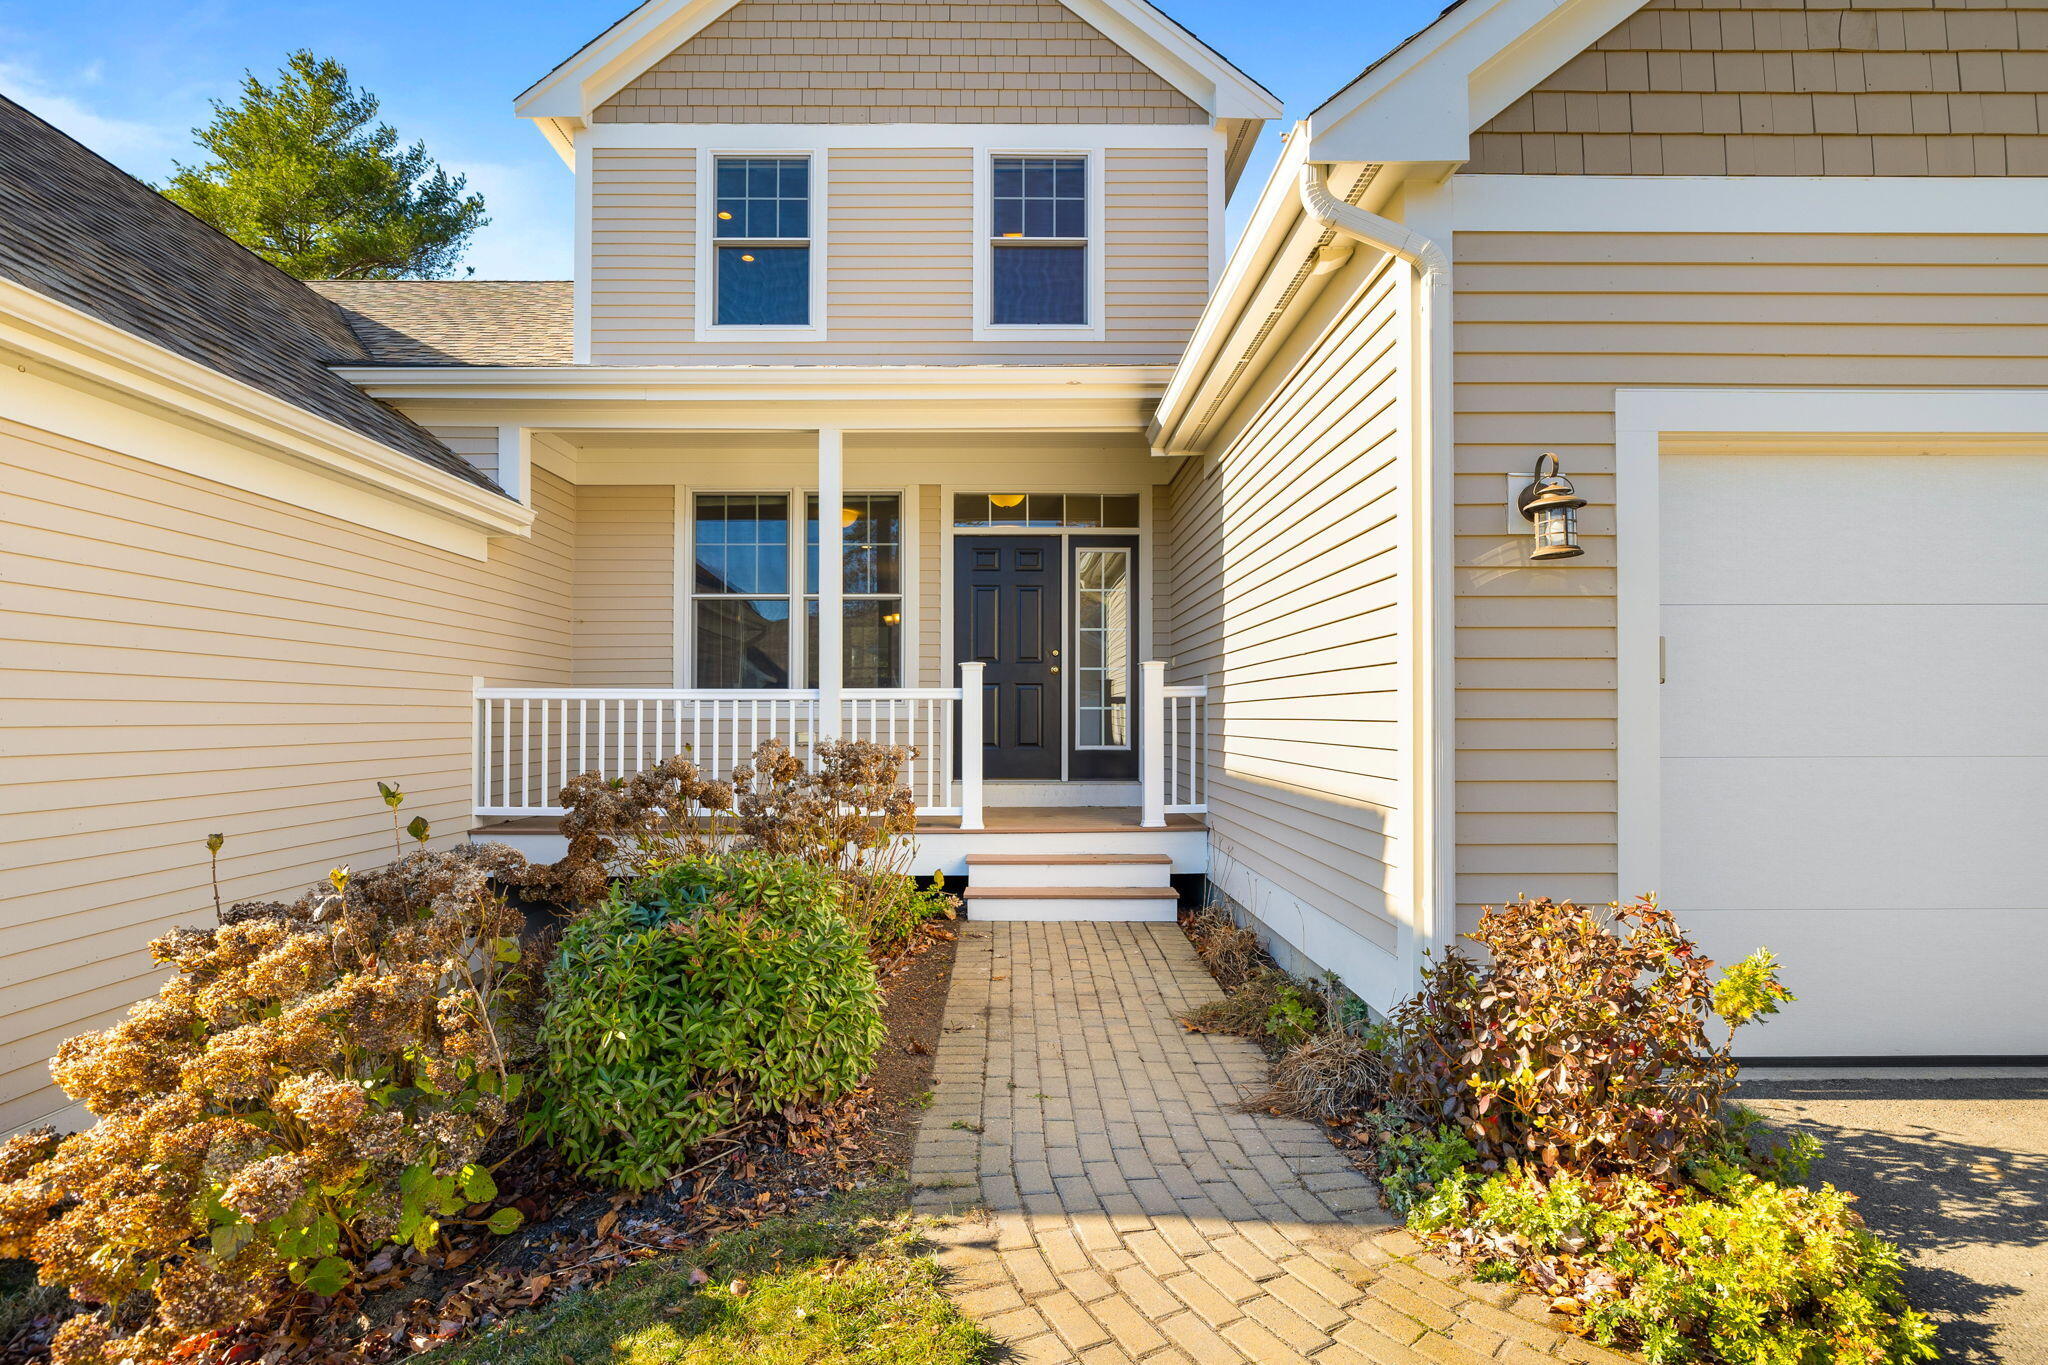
1152,743
831,583
970,745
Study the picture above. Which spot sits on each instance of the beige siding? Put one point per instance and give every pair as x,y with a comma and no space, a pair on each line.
1156,221
642,204
933,668
899,256
183,658
1548,326
625,586
906,61
478,445
1290,571
1785,87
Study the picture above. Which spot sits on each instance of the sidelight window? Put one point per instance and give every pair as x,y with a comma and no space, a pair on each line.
1102,648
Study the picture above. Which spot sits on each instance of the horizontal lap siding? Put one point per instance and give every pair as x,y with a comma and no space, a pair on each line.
183,658
1290,578
899,261
1156,220
642,203
625,586
932,669
1548,325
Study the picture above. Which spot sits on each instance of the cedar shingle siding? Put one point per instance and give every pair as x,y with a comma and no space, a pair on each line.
773,62
1785,88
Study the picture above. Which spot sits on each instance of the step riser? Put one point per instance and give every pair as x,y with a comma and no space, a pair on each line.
1095,908
1069,874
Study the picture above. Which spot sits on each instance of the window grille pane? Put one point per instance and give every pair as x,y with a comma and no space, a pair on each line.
742,642
742,543
872,640
1039,284
763,196
764,286
1102,662
872,543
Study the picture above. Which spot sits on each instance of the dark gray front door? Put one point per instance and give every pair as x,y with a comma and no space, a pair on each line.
1008,591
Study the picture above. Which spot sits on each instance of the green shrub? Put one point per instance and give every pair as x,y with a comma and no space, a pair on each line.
1414,1161
1743,1271
901,905
715,990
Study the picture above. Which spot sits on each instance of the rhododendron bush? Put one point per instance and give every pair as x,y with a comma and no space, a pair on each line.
315,1081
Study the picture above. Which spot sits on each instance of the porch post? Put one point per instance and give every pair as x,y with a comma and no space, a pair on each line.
970,744
831,580
1152,743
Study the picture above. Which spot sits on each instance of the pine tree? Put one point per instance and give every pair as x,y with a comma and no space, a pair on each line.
301,173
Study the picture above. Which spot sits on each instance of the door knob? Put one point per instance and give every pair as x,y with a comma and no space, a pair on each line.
1055,668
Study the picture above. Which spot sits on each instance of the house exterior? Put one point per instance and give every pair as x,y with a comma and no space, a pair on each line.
1169,560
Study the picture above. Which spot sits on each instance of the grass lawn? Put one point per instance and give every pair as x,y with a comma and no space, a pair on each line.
842,1281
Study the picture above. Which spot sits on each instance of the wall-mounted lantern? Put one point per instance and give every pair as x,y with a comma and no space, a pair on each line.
1553,505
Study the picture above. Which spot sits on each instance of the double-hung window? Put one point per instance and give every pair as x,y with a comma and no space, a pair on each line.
1038,243
761,231
740,587
871,539
745,602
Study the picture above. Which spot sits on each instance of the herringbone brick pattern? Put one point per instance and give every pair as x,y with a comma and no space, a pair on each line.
1105,1199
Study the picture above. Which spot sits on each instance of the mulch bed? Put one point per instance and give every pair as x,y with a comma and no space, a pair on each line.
579,1234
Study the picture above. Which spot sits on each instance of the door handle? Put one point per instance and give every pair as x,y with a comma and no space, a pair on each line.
1055,668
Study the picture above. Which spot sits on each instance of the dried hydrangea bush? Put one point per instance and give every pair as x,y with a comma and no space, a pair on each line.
315,1081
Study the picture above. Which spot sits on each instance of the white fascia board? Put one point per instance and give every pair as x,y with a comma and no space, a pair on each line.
757,383
1736,204
1833,412
244,436
614,58
1423,102
996,137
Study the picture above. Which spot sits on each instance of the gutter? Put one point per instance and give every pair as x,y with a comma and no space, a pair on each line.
1432,507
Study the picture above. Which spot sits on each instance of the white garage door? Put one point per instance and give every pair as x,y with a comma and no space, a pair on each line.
1855,741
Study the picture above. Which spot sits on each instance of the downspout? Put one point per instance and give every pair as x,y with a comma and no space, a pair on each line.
1434,900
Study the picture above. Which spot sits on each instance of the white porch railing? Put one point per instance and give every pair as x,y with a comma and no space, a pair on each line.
530,741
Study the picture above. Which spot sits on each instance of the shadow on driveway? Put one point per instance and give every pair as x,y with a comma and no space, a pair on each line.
1955,1172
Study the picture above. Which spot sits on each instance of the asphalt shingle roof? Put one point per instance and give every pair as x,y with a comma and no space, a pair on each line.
458,322
83,232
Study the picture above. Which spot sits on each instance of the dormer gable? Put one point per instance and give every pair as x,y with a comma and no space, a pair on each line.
907,61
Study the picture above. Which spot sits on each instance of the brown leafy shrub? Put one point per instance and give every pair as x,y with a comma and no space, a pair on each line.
847,811
626,827
316,1080
1582,1043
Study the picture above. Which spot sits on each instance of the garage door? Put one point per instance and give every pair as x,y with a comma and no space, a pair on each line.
1855,741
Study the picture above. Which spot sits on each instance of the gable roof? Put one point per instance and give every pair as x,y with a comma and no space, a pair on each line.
569,95
1420,103
88,235
458,322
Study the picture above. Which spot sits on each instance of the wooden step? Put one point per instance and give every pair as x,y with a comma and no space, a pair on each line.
1062,859
1070,893
1158,904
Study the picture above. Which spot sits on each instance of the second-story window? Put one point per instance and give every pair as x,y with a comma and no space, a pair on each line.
762,226
1038,249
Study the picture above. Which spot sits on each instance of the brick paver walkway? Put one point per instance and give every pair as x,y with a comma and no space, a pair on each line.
1104,1199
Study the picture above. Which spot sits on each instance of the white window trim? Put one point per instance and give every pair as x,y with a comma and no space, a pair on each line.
686,594
1650,423
708,328
1097,250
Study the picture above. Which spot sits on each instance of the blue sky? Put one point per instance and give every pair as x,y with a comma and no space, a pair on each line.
130,79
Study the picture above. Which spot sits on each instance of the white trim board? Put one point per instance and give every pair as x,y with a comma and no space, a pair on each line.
806,136
1648,423
1730,204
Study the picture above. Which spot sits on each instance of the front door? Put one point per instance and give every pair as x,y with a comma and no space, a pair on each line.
1008,591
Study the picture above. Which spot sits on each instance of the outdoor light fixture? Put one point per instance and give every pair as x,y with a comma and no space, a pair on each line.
1553,505
1006,499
